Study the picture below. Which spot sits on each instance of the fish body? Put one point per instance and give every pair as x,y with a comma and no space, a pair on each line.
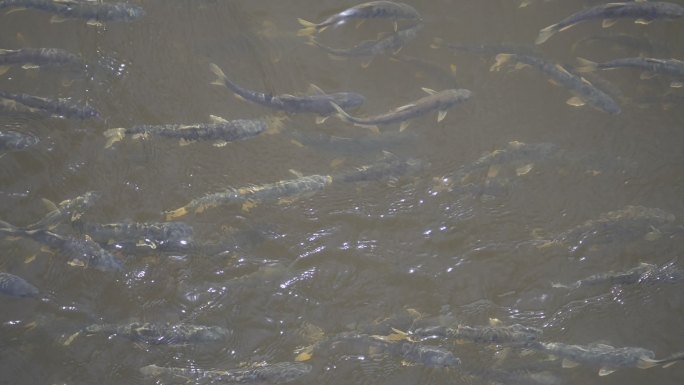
70,209
162,334
436,101
670,67
643,11
317,102
278,373
77,9
15,141
15,286
370,10
220,129
245,196
584,91
513,334
392,167
157,235
514,152
53,107
642,273
391,43
38,57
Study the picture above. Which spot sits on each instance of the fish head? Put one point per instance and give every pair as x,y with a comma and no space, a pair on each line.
347,100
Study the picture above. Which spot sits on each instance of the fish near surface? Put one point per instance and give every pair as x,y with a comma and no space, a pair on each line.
650,66
390,167
16,141
435,101
15,286
70,209
371,10
162,334
513,334
643,11
278,373
156,235
36,57
584,91
317,102
93,11
51,107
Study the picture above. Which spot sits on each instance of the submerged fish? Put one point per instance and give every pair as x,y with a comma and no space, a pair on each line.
162,334
52,107
370,10
621,42
643,11
69,209
584,91
15,140
644,272
36,57
220,129
317,102
513,334
605,357
279,373
650,66
158,235
80,251
250,196
435,101
93,11
15,286
392,166
485,48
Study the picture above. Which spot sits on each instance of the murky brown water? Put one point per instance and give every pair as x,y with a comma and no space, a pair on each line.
354,253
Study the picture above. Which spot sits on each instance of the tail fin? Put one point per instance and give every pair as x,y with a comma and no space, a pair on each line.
4,226
671,360
309,28
586,65
221,77
546,33
114,135
345,117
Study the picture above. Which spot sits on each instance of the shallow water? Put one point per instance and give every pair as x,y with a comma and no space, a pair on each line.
353,253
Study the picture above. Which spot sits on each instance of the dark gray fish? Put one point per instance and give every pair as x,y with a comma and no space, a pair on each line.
15,286
162,334
584,91
643,273
644,12
435,101
250,196
37,57
371,10
605,357
513,334
279,373
70,209
220,129
93,11
353,145
650,66
52,107
318,102
16,141
80,251
392,166
156,235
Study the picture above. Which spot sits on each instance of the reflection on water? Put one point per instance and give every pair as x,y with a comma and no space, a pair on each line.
464,247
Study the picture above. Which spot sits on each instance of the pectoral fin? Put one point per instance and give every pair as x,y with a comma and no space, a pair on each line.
50,205
217,119
429,91
607,23
575,101
441,114
403,125
321,119
315,90
605,371
643,21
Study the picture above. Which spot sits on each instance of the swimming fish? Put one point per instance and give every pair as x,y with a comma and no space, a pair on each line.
391,166
36,57
161,333
69,209
317,102
435,101
220,129
650,66
584,91
156,235
15,286
642,273
512,334
278,373
643,11
93,11
370,10
14,140
52,107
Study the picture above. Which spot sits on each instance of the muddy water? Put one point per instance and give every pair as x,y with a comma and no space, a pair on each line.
453,246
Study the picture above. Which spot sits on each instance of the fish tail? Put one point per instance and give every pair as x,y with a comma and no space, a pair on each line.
586,65
345,117
309,28
546,33
7,227
173,214
671,360
221,77
114,135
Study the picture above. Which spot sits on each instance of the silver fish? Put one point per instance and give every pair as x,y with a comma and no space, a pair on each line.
36,57
51,107
69,209
317,102
93,11
392,166
157,235
15,140
642,273
584,91
279,373
370,10
435,101
644,12
650,66
513,334
162,334
220,129
15,286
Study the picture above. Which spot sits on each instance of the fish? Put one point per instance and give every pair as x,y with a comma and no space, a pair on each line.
15,286
584,91
80,251
161,333
94,11
391,166
278,373
220,130
512,334
11,140
642,273
435,101
643,11
37,57
51,107
650,66
370,10
317,102
69,209
368,49
250,196
156,235
605,357
353,145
